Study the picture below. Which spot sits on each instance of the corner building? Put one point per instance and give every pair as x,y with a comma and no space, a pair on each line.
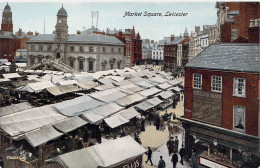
221,108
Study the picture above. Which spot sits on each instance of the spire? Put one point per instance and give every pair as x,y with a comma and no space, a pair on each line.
186,33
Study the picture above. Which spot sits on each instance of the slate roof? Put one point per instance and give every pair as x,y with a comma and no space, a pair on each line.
167,40
94,38
85,38
62,12
43,38
91,30
239,57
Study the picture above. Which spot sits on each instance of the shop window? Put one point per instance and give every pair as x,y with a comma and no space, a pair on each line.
104,49
119,50
216,82
239,118
112,66
32,47
90,66
197,81
112,50
239,87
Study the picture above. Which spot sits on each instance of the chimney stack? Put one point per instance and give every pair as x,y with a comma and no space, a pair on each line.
20,32
30,33
152,41
172,37
78,32
36,33
197,29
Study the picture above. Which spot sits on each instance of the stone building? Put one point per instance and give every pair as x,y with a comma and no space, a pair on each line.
88,52
157,54
147,50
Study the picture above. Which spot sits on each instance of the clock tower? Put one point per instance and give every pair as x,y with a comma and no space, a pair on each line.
7,23
61,28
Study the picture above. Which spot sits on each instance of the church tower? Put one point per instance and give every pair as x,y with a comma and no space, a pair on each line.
7,23
61,28
186,34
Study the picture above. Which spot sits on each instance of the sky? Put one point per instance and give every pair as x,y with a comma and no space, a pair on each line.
30,16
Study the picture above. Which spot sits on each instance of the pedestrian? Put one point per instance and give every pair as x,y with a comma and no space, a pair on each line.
157,122
68,144
122,133
170,145
142,124
80,143
182,153
181,97
194,159
174,160
161,163
176,143
161,124
149,156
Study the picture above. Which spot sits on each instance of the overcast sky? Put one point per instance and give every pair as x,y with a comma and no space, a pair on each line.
30,16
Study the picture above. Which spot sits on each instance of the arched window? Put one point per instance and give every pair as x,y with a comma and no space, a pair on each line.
239,121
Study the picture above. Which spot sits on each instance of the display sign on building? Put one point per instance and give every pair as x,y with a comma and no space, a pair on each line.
211,164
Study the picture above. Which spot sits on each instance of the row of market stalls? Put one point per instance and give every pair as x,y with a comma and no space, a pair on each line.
112,105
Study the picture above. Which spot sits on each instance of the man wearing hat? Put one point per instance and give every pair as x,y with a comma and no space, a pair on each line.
161,163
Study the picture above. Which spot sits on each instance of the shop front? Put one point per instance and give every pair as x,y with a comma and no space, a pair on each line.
211,146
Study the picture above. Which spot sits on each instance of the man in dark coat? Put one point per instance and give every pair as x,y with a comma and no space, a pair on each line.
142,124
182,154
176,143
161,163
149,156
174,160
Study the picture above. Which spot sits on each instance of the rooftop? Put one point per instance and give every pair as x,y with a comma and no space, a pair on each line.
239,57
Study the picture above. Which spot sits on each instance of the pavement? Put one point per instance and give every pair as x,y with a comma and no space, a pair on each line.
157,140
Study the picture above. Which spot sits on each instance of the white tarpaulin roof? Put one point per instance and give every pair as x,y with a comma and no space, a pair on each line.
62,89
11,75
131,88
116,78
128,113
106,80
77,106
158,79
155,101
42,136
130,99
106,154
108,95
177,89
144,106
87,84
69,124
115,121
96,114
150,92
67,82
121,83
14,108
105,86
4,80
36,87
30,119
165,94
174,82
82,77
164,86
145,84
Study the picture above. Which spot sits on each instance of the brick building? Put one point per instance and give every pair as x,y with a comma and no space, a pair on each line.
9,42
171,51
221,108
132,41
234,20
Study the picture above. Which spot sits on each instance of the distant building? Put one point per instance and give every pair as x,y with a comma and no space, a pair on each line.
147,50
234,20
171,51
88,52
221,108
132,41
157,55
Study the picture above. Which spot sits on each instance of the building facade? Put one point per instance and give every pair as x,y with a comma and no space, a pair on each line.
234,19
147,50
157,55
221,107
83,52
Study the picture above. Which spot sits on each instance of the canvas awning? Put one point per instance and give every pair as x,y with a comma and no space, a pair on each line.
67,82
30,119
86,85
36,87
130,99
106,81
155,101
165,94
96,114
105,87
144,84
62,89
83,77
115,121
77,106
14,108
106,154
108,95
11,75
174,82
121,83
158,79
42,136
128,113
69,124
164,86
177,89
150,92
2,80
22,83
144,106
